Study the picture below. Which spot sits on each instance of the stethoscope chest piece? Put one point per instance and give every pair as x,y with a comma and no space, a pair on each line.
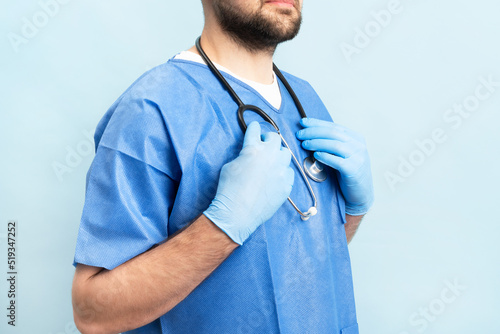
314,169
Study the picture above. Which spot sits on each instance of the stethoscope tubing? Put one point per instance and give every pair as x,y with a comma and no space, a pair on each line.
244,107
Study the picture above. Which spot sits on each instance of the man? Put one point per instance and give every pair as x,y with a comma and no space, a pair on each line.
185,228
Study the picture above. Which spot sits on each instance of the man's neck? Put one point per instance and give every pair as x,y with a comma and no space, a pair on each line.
223,50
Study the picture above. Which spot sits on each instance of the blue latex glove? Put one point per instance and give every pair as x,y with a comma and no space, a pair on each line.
253,186
345,151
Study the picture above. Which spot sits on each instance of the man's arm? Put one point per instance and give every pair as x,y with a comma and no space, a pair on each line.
149,285
251,189
351,226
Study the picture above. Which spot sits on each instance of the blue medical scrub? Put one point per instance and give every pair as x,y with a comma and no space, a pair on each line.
159,151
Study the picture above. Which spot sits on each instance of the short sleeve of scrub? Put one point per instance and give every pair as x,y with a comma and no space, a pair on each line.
130,187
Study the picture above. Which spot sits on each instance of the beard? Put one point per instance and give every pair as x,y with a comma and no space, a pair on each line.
260,30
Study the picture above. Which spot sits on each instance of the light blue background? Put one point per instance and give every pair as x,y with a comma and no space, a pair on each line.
440,225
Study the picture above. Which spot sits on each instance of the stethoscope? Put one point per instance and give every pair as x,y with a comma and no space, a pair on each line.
314,169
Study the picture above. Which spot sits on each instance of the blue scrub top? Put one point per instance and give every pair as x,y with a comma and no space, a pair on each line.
159,151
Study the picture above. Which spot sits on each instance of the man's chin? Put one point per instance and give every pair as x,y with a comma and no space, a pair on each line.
289,11
286,16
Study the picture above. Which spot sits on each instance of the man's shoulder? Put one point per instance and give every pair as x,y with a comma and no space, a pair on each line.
294,79
302,87
160,88
171,75
299,84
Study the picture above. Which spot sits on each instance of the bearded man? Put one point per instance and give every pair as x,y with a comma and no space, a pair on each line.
186,226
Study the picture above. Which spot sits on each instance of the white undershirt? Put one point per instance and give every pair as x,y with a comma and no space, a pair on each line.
270,92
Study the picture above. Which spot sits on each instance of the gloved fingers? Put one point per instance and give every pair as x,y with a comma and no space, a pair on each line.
354,170
334,147
252,134
272,139
284,156
287,176
313,122
353,135
346,132
337,131
331,160
322,132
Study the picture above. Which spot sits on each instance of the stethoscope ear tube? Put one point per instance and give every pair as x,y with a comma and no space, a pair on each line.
290,91
257,110
216,72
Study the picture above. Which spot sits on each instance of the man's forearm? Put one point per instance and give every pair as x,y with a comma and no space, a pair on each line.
149,285
351,226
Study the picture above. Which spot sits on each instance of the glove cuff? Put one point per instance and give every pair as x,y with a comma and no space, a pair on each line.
224,222
358,210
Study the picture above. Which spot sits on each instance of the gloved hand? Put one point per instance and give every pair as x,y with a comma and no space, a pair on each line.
345,151
253,186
